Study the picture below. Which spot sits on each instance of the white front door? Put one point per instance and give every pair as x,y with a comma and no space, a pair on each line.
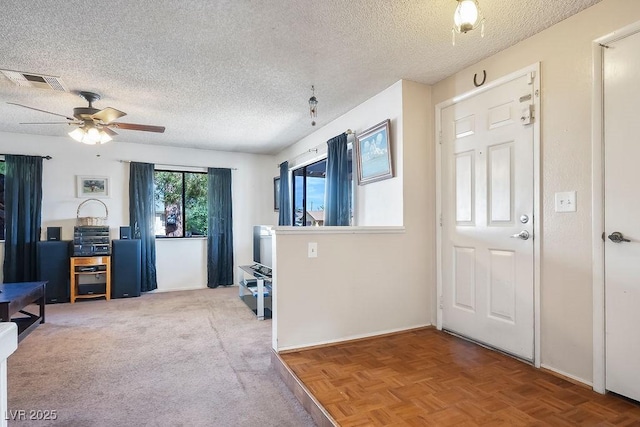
622,216
487,193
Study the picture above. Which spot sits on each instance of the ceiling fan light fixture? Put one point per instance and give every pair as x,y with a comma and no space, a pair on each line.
104,137
90,136
466,17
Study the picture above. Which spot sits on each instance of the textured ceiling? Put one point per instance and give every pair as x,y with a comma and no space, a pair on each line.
236,75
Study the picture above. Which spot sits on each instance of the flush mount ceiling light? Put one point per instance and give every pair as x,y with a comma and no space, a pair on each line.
313,106
466,18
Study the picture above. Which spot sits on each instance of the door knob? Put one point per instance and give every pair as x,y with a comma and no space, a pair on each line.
617,237
524,235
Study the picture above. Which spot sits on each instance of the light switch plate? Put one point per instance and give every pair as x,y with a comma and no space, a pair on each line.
566,201
313,250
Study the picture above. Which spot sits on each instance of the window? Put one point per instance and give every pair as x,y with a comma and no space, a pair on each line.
308,187
181,203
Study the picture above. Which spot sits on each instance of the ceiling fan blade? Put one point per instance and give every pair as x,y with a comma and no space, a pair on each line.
43,111
108,131
133,126
107,115
51,123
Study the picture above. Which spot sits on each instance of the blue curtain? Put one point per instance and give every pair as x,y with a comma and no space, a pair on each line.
142,218
284,216
220,235
23,213
337,185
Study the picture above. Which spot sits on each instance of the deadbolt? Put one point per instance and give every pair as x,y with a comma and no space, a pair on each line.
524,219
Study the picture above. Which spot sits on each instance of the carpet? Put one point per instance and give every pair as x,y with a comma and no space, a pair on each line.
188,358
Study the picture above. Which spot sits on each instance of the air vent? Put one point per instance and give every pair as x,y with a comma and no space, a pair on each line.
39,81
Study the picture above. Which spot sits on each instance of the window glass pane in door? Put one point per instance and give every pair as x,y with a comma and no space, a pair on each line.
315,189
298,197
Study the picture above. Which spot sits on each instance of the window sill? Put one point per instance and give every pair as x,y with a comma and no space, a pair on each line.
181,238
340,230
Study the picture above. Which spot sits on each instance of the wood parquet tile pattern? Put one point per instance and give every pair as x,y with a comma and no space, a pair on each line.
429,378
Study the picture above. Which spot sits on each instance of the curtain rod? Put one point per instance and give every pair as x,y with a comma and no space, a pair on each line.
44,157
177,166
315,149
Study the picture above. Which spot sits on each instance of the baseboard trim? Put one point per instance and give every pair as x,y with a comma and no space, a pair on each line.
160,291
565,376
319,415
355,338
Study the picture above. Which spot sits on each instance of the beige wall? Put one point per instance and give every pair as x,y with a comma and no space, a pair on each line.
361,284
365,280
419,186
565,53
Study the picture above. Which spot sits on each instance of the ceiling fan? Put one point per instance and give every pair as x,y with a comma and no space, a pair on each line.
93,126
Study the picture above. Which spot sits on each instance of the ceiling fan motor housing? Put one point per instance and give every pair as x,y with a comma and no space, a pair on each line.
84,113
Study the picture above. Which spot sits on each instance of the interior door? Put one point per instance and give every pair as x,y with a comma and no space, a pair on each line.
487,217
622,216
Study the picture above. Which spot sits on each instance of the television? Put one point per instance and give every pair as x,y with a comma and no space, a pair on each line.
262,245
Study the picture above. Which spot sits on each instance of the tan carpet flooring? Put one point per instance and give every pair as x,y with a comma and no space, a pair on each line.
188,358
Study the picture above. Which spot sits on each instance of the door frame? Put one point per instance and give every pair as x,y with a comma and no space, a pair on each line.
535,69
597,197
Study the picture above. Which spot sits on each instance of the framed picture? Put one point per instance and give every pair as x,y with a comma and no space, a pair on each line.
276,193
373,154
92,186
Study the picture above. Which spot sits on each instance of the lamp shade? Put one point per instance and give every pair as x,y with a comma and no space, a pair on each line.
466,15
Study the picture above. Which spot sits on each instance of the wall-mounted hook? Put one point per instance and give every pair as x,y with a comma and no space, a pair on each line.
484,79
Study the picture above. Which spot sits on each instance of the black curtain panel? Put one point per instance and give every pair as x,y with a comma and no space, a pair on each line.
284,215
141,219
23,214
337,184
220,237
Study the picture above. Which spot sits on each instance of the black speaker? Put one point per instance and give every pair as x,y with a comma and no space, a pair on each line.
125,233
53,266
126,268
53,233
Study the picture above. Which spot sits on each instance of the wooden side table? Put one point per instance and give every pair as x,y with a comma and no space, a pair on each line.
91,265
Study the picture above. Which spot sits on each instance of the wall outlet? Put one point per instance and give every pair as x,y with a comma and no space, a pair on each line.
566,201
313,250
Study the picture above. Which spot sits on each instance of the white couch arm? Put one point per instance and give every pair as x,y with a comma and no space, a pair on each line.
8,344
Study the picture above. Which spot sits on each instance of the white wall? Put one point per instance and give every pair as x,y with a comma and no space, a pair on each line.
181,263
379,203
566,67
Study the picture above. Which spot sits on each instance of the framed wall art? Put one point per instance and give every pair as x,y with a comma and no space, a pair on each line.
92,186
373,154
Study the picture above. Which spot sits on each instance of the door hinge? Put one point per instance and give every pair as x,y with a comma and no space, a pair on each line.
441,303
440,220
440,137
532,77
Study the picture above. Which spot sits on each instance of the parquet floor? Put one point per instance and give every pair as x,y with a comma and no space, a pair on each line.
426,377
